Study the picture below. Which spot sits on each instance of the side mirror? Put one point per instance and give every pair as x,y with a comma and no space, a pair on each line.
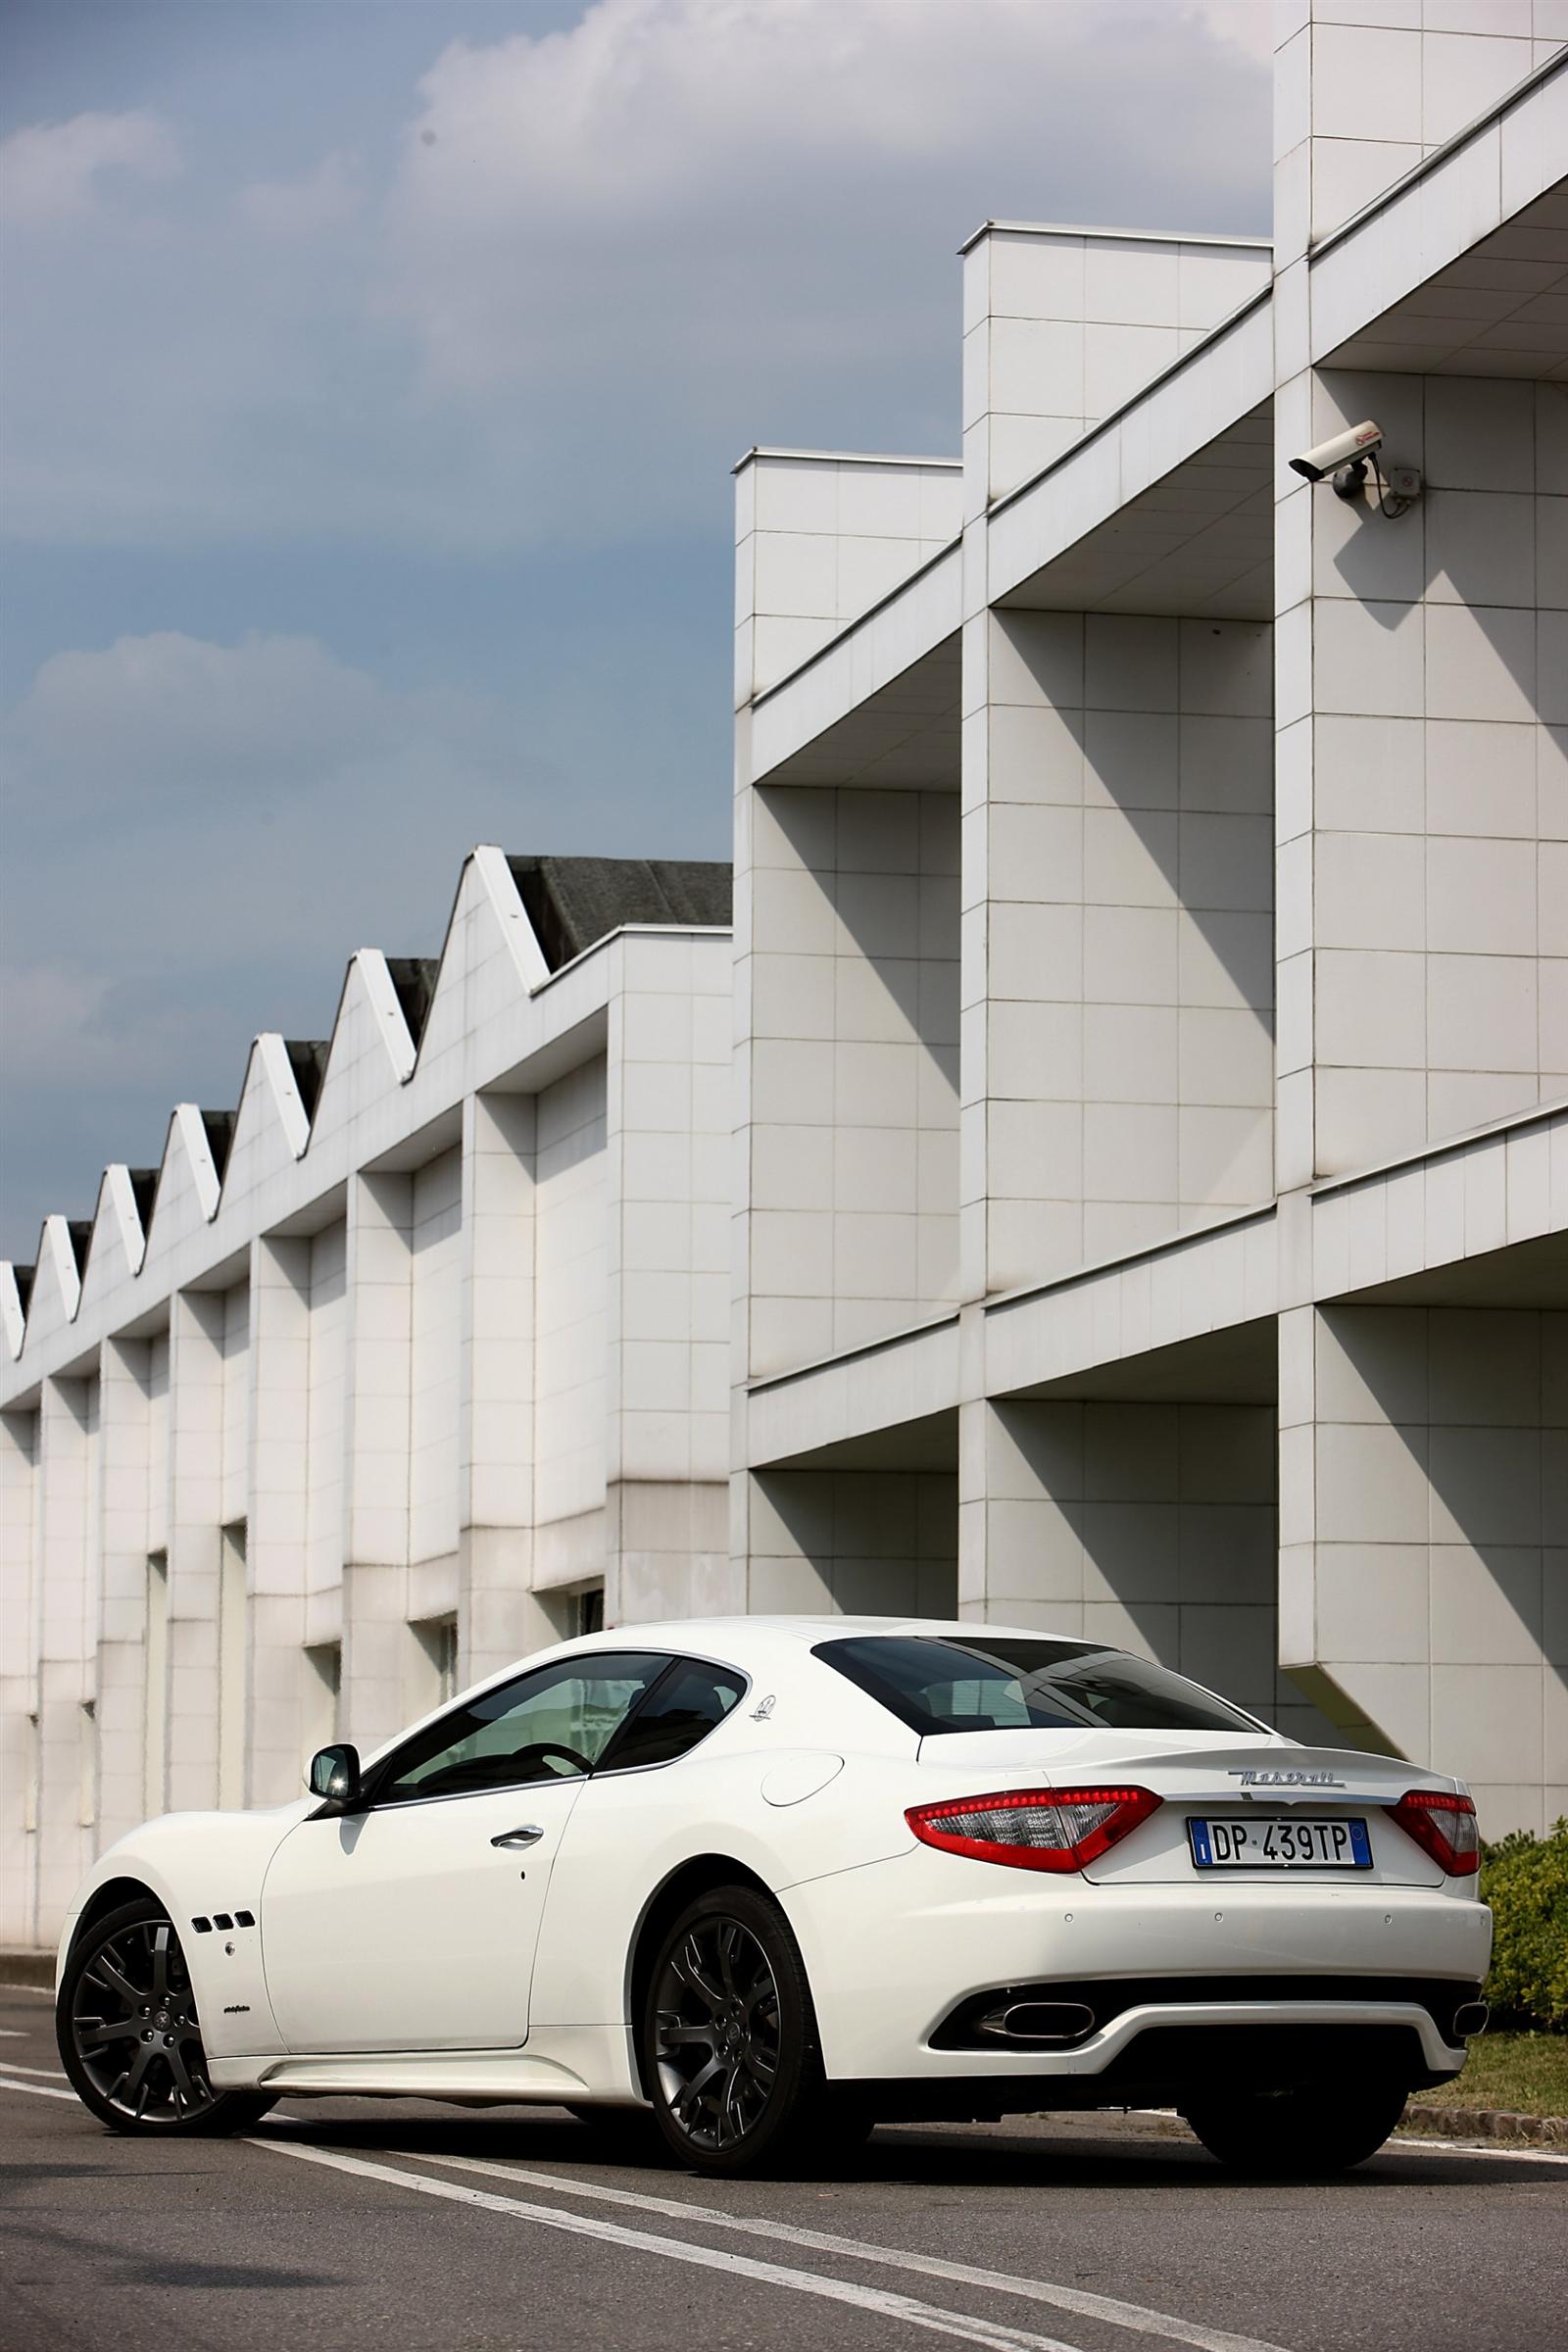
335,1776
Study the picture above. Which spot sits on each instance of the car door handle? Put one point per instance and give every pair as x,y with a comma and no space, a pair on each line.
529,1834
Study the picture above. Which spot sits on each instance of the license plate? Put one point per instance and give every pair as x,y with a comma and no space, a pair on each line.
1279,1842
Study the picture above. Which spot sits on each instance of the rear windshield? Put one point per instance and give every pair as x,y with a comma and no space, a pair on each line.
1004,1685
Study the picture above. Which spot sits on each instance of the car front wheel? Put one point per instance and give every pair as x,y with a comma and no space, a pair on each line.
1297,2133
729,2038
129,2038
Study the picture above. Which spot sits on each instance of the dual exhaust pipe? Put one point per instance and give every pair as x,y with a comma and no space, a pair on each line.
1038,2024
1053,2024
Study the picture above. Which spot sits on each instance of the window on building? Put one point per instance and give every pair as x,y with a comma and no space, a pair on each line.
155,1691
591,1610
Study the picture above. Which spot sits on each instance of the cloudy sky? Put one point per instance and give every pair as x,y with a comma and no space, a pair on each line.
373,369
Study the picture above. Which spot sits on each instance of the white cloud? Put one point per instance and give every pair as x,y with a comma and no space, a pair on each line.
594,264
317,201
169,716
49,171
674,163
1250,24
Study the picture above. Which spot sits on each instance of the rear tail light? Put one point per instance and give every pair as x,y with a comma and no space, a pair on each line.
1034,1829
1444,1827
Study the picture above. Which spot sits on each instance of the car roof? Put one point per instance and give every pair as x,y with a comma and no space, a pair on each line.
695,1633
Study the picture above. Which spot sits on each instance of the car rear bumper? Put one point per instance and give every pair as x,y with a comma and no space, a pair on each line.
892,1950
1174,2056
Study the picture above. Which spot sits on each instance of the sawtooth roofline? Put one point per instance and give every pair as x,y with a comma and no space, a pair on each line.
291,1089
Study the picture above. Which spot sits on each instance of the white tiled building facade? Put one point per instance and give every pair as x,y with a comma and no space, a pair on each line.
410,1366
1145,1137
1151,941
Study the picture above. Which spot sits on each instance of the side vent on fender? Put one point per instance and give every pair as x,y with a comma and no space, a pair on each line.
203,1927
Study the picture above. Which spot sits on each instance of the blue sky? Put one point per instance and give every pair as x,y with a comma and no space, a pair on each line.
373,373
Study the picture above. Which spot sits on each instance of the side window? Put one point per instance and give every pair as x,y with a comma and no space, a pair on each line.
553,1724
684,1708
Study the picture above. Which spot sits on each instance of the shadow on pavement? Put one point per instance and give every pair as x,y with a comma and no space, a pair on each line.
1054,2155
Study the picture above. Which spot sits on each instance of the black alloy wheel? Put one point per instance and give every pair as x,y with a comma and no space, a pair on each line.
729,2037
129,2038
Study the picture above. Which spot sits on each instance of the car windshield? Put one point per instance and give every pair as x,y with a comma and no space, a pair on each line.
1002,1684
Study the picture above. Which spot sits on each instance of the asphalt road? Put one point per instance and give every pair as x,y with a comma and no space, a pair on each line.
360,2225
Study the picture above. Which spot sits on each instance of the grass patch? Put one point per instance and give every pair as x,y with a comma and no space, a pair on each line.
1522,2074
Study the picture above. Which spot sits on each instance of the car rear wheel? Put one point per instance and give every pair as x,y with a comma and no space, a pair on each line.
729,2038
1295,2134
129,2038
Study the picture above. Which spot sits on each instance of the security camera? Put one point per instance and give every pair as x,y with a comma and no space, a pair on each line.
1347,459
1359,442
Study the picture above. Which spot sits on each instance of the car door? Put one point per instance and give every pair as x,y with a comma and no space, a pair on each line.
615,1849
410,1924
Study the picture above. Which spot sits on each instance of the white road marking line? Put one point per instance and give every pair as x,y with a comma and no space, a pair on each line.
12,2033
1109,2308
961,2325
1469,2147
53,2072
39,2090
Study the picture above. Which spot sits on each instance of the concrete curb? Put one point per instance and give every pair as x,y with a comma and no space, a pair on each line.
26,1968
1483,2123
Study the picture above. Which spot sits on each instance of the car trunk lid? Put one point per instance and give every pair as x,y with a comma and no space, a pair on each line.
1205,1776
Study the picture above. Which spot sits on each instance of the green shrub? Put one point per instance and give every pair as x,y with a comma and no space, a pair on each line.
1525,1880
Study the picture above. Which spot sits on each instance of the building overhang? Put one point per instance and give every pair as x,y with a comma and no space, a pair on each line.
1199,541
1140,489
1459,268
865,1393
879,704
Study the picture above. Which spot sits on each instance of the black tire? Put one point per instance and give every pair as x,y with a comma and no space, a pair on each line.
728,2040
129,2034
1297,2135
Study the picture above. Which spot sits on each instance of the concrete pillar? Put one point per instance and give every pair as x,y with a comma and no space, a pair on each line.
124,1501
573,1211
1063,326
499,1618
1424,1540
435,1274
863,1543
18,1677
1149,1527
848,996
194,1543
1118,982
1363,93
667,1336
821,537
1420,698
377,1346
277,1514
66,1599
845,1097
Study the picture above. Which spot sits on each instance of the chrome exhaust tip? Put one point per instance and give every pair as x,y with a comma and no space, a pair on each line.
1470,2017
1039,2023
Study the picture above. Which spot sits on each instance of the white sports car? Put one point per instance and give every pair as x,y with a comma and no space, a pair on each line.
778,1879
